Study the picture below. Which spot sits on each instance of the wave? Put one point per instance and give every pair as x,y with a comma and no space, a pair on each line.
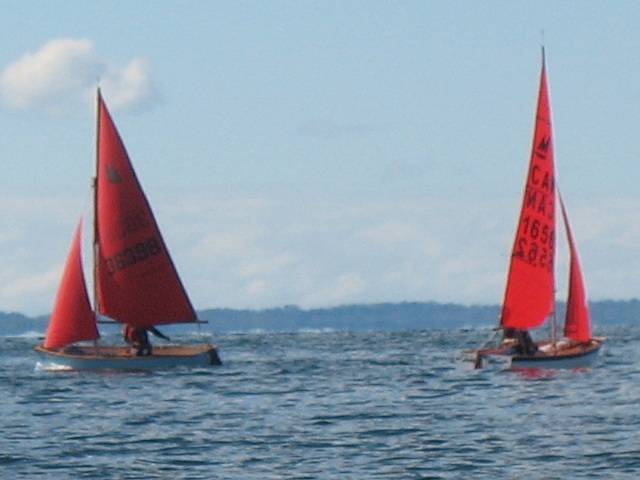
29,334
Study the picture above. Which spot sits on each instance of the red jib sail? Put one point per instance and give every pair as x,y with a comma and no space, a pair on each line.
577,324
529,296
72,319
137,281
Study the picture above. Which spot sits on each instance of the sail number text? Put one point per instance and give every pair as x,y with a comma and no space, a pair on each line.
535,243
133,255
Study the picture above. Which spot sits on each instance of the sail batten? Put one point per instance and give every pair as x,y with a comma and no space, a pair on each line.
529,295
137,281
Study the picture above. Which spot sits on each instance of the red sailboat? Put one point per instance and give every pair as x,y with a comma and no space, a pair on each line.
530,292
136,282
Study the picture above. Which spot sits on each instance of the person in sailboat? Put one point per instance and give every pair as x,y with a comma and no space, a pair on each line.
521,341
138,338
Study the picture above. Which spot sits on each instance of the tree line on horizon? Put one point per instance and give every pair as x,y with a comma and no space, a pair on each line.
381,316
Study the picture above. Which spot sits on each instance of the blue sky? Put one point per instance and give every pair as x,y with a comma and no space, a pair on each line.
322,153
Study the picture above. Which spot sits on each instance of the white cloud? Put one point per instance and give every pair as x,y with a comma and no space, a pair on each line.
31,286
271,249
61,78
316,251
38,231
129,87
339,291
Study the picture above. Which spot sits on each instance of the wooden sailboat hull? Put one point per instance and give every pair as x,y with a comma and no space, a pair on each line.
121,358
581,356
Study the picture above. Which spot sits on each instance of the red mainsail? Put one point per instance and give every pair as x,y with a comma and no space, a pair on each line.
72,319
529,296
577,324
137,281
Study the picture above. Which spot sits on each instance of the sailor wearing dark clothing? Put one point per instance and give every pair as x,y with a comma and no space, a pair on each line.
510,334
523,343
526,345
138,338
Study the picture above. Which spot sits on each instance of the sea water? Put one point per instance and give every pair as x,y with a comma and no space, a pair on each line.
325,405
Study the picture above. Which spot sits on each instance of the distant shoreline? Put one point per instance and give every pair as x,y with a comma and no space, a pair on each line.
379,316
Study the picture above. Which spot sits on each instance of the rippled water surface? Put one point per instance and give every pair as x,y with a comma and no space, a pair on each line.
325,405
